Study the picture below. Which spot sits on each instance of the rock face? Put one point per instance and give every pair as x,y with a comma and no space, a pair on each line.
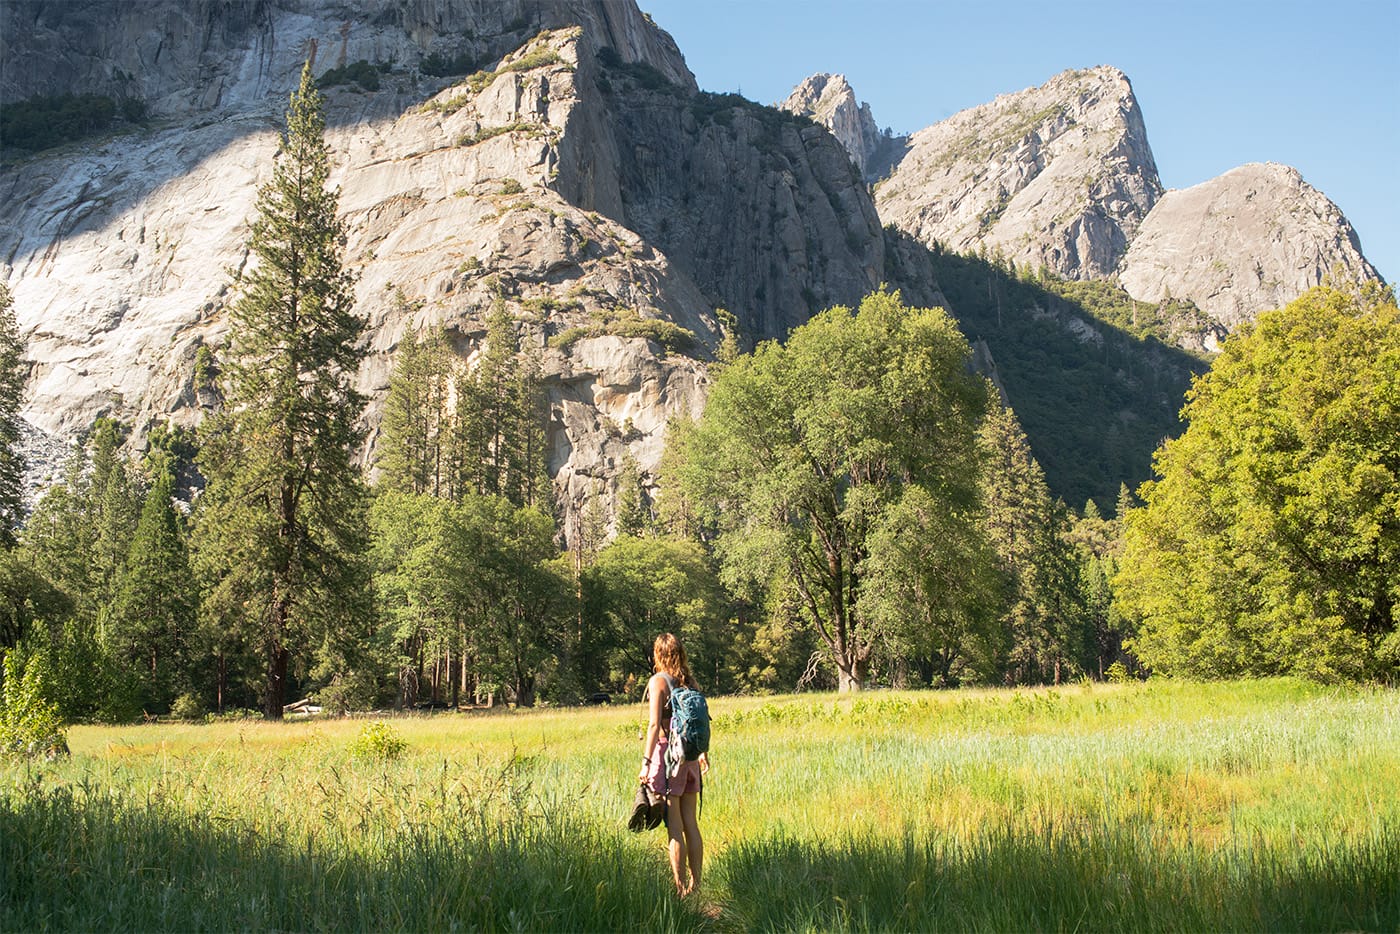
197,56
1060,176
577,178
1252,239
830,101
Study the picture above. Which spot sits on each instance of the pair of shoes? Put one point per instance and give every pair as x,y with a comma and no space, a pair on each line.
648,810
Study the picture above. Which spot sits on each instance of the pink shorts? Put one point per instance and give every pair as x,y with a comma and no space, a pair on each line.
684,782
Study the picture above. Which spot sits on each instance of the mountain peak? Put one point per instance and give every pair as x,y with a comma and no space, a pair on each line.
1058,175
1248,240
830,100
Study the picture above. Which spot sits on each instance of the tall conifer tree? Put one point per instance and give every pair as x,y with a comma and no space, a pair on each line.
418,424
501,418
1044,608
151,616
283,534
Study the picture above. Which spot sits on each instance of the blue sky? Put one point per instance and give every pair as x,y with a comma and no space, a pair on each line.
1314,85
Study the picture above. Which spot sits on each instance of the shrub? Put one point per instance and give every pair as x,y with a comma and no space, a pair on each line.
491,132
444,66
643,75
362,73
378,742
234,714
134,110
30,725
531,60
188,706
346,694
628,322
480,80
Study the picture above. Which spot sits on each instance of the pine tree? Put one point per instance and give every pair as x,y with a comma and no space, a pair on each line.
501,415
12,373
114,507
283,528
1029,530
633,516
79,533
418,425
1125,502
531,410
152,615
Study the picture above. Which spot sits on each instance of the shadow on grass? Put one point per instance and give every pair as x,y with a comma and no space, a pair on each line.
91,861
1117,879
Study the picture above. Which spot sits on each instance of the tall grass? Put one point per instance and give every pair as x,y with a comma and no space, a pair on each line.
1246,806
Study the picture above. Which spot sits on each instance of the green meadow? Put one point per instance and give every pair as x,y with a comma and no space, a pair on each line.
1243,806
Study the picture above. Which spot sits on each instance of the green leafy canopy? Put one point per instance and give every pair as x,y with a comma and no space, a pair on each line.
1271,542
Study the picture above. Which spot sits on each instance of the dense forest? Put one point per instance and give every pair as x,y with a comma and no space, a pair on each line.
857,507
1096,377
45,121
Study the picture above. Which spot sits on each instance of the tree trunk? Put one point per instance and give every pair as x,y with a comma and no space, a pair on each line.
451,676
276,683
851,673
525,691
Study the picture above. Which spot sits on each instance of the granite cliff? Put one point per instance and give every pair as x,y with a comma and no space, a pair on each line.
1253,238
1062,176
830,101
1058,176
577,177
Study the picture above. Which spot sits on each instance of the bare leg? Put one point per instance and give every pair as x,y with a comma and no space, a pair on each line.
676,845
694,843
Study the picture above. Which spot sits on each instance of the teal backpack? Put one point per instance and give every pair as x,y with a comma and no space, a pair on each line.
689,735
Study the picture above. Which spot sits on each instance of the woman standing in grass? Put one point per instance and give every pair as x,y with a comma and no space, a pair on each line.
682,789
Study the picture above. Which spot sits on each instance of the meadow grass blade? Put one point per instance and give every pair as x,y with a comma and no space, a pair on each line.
1250,806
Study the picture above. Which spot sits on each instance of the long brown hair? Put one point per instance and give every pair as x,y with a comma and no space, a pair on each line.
670,658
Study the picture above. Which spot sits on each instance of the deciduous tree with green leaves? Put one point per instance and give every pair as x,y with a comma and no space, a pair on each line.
638,588
806,447
515,588
933,584
1270,542
418,584
283,522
